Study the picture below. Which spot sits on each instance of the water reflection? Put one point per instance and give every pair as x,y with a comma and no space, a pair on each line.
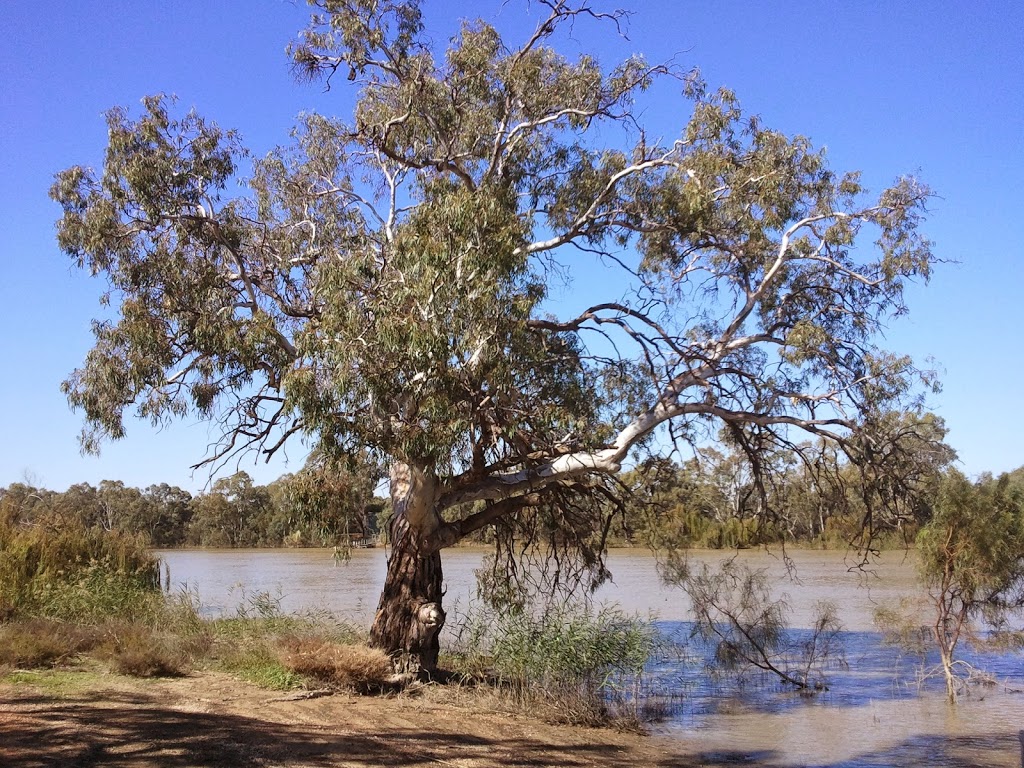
311,579
866,670
880,710
877,712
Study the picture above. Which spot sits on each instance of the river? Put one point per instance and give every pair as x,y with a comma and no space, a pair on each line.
877,711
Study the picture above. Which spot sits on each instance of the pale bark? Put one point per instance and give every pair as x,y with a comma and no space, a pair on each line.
410,615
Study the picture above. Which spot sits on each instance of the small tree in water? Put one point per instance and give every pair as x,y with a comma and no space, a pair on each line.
381,285
972,562
733,609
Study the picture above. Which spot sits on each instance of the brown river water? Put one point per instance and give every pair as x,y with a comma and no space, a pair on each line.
877,711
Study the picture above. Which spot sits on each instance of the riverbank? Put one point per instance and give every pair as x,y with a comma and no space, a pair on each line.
85,718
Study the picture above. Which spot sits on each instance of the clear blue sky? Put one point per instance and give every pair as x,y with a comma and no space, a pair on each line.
888,87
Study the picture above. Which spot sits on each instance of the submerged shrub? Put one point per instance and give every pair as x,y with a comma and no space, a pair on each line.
900,625
746,628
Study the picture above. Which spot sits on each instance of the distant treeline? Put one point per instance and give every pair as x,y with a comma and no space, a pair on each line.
294,511
714,501
811,495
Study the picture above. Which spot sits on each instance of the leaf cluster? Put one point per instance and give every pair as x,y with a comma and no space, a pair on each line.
383,284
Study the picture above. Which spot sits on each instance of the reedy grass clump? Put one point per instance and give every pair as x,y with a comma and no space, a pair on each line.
574,663
355,666
73,573
272,649
68,590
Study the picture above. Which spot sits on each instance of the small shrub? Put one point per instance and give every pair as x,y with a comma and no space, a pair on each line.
43,643
571,664
139,651
345,665
738,619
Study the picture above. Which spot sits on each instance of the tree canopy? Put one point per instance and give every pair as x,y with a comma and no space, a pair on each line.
383,282
970,562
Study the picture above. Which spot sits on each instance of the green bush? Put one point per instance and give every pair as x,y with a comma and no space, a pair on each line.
585,663
75,573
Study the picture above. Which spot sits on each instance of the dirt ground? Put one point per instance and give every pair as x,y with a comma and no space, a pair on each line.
211,719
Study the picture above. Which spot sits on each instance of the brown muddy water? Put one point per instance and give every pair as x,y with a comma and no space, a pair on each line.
878,711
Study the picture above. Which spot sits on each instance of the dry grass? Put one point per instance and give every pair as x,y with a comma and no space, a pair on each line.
129,649
139,651
38,643
344,665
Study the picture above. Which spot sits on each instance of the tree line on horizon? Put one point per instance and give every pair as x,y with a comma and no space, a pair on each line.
293,511
707,501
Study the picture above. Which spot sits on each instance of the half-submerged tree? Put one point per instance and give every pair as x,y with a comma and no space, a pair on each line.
972,565
384,283
735,613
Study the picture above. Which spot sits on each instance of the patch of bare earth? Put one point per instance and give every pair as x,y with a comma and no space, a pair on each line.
211,719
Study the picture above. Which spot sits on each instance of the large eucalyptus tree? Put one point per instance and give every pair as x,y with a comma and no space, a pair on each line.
383,284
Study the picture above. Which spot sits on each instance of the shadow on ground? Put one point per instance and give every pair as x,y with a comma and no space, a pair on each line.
145,730
134,731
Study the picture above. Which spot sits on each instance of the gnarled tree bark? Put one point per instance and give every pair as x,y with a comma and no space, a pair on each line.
409,615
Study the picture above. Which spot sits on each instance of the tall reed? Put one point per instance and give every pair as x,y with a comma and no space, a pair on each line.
74,573
582,664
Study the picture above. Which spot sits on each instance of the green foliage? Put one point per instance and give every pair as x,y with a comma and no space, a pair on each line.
378,283
98,590
573,657
970,561
379,286
807,494
330,502
73,573
318,506
736,613
233,514
973,542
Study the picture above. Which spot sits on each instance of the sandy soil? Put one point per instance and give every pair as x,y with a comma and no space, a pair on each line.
211,719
